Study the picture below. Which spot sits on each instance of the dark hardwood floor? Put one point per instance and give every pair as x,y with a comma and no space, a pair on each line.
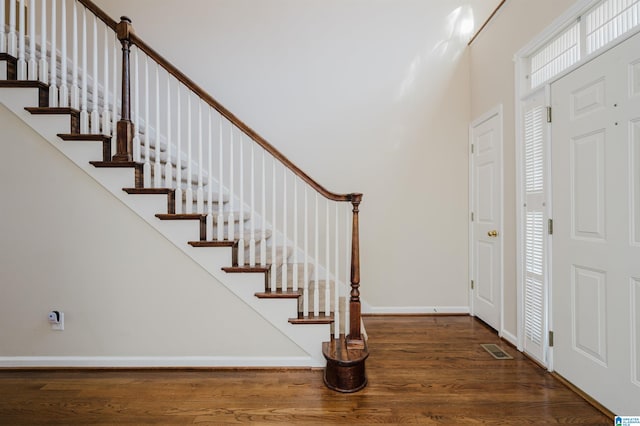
428,370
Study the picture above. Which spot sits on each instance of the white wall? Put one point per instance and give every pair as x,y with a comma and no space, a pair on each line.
369,96
492,83
68,244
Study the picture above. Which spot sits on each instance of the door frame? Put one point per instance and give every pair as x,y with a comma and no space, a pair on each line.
522,93
493,112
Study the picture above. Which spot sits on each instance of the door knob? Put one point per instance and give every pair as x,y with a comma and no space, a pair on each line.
493,233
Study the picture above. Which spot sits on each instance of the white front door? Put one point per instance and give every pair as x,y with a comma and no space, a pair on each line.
596,239
486,211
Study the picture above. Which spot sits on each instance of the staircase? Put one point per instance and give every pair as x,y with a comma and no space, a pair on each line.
195,172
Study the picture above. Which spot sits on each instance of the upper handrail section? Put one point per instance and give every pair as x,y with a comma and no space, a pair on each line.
199,91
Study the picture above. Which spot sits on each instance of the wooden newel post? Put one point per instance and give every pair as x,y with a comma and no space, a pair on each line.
354,339
124,144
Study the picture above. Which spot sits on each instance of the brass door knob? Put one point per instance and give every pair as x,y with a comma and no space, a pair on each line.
493,233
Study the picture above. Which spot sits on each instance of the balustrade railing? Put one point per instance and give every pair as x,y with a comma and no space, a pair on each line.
252,195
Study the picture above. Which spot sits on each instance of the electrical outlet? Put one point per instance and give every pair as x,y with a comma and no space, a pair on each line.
60,324
56,319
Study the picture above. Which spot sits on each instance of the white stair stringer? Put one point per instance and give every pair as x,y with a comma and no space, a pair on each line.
308,337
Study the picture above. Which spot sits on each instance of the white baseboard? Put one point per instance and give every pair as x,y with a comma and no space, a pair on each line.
150,361
405,310
509,338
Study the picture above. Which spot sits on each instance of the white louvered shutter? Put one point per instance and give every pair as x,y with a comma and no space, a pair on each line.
535,282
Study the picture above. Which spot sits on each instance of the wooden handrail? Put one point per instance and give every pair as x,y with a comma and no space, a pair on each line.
199,91
195,88
101,14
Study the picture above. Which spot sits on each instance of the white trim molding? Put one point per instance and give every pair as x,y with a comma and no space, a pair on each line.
152,361
407,310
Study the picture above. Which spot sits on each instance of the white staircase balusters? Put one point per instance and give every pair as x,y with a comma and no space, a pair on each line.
136,107
32,65
43,69
53,85
200,190
3,37
168,168
220,220
305,275
84,115
74,100
295,234
316,252
114,76
283,270
12,36
209,223
336,289
274,275
178,152
347,271
64,88
106,113
252,209
231,222
263,198
22,64
327,263
189,192
146,168
241,245
157,167
95,114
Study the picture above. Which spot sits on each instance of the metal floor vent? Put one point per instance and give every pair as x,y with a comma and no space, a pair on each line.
496,351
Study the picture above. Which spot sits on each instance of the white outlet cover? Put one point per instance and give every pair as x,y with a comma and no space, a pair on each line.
60,325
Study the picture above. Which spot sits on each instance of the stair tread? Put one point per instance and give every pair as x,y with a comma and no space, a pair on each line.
83,137
52,110
279,294
226,243
235,269
181,216
312,319
211,243
116,164
152,191
24,83
6,57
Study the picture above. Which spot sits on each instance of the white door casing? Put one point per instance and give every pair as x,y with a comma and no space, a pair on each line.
596,212
486,194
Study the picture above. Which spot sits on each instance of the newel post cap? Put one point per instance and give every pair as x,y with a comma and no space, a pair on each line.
124,28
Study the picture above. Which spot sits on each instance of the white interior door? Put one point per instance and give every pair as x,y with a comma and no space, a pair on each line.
486,208
596,240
